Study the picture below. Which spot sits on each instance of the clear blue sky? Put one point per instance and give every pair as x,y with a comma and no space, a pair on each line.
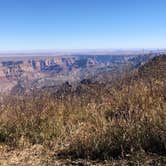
79,24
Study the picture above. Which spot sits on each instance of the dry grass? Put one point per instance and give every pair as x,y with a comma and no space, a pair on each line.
127,118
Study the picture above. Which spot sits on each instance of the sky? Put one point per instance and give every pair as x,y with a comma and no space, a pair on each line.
82,24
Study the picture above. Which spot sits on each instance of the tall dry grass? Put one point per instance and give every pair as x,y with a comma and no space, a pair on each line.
108,123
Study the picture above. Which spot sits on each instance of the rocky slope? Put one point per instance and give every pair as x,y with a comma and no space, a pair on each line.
42,71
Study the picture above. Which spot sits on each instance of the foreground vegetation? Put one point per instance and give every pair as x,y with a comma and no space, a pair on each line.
99,123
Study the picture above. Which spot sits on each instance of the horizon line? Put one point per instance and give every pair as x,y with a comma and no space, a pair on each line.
75,50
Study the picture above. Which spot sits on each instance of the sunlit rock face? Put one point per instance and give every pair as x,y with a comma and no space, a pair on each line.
43,71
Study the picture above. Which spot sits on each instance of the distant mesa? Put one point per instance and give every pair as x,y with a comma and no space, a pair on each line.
31,72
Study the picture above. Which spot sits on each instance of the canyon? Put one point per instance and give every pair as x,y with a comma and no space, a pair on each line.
37,72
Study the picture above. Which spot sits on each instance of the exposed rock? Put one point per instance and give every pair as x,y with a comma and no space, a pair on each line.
40,72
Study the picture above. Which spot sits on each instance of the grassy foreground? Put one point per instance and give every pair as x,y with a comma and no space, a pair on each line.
110,123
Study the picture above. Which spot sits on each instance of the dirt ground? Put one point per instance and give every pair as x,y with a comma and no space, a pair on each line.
37,155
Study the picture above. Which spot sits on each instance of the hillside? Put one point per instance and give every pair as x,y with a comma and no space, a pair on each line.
120,121
155,68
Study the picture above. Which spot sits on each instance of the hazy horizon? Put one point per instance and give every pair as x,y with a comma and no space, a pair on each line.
80,49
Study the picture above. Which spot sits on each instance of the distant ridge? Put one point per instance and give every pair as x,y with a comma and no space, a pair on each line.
81,52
